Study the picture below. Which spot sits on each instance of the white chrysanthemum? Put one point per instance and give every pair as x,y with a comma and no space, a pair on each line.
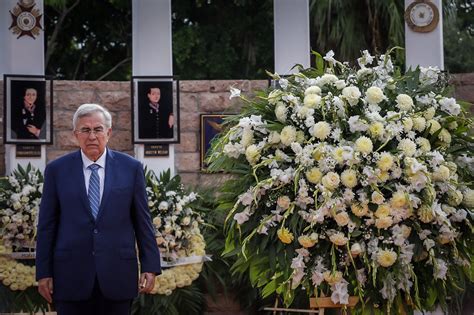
404,102
364,145
385,161
313,90
407,123
351,94
376,129
407,146
386,258
274,137
247,137
312,100
468,198
314,175
321,130
433,125
419,124
281,112
330,180
288,135
398,199
424,144
454,197
444,136
374,95
429,113
441,174
252,153
349,178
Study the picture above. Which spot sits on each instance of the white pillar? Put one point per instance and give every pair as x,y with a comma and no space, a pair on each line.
291,29
152,55
425,49
23,55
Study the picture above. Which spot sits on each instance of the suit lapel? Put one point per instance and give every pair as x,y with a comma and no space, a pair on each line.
78,173
108,181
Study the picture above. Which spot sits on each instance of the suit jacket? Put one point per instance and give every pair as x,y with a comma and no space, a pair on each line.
74,249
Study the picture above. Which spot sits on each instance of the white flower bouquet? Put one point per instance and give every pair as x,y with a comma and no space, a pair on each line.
353,181
20,195
178,235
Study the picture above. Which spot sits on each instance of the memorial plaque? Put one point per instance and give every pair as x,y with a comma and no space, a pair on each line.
28,150
157,150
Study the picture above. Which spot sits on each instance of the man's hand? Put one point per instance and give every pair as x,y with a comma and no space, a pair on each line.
32,129
171,121
147,282
45,288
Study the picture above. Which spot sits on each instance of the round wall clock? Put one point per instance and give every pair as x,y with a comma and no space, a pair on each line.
422,16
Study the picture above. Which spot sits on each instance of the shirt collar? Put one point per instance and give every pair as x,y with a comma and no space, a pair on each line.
101,161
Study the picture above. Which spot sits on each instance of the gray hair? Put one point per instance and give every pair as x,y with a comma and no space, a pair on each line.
89,109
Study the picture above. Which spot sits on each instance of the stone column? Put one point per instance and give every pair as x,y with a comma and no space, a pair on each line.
152,56
425,49
25,56
291,28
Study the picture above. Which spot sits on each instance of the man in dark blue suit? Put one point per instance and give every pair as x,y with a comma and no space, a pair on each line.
93,217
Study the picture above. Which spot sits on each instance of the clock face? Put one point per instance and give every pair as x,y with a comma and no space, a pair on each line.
422,16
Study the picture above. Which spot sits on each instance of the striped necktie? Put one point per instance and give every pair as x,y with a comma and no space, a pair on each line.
94,189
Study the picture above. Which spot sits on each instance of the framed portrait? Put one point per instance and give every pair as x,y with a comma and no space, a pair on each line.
27,109
155,109
211,126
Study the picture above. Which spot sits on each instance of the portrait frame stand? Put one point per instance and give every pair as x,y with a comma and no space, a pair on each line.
22,147
317,305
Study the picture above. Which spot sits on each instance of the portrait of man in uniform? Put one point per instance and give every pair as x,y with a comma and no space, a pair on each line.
27,117
155,112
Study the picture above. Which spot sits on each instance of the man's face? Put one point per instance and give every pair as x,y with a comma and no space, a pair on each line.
92,135
154,95
30,96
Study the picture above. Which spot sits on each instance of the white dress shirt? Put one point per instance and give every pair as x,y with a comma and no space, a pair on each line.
101,171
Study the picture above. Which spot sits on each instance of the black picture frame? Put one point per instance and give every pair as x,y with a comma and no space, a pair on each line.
150,125
24,124
210,126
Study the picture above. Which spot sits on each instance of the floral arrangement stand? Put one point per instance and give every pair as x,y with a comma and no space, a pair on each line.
321,303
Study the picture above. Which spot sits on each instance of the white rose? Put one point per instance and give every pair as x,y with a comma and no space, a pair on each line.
351,94
374,95
342,218
321,130
404,102
340,84
331,180
283,202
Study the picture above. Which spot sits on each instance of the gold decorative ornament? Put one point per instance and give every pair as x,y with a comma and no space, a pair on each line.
26,20
422,16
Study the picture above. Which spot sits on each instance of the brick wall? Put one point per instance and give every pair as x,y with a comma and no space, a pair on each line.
196,97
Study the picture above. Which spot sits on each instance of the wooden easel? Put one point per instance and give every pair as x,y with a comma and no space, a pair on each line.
316,306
